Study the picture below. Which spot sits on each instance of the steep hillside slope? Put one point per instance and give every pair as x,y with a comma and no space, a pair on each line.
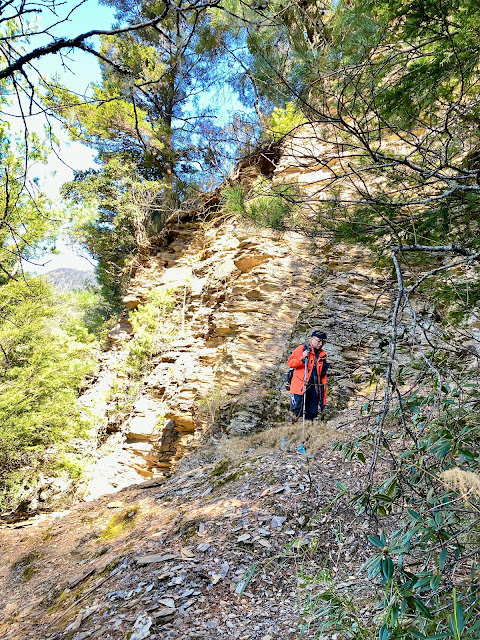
245,298
64,279
225,550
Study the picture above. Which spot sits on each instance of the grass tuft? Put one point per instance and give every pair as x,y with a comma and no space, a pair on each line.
120,524
230,478
221,467
26,564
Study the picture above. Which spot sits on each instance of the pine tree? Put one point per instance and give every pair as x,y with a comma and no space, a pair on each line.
150,124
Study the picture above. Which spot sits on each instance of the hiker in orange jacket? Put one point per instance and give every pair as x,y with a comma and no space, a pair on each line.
315,394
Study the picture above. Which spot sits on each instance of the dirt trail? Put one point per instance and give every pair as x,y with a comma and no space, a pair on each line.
174,561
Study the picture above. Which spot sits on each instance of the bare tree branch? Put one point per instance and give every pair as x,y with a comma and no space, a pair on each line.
78,42
463,251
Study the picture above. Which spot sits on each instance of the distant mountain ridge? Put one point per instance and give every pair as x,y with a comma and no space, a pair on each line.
69,279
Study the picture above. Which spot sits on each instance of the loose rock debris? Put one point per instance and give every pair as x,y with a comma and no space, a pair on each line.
197,564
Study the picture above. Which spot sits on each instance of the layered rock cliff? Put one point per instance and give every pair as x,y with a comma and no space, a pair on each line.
245,298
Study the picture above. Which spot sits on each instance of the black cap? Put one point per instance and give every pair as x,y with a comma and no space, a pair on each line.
319,334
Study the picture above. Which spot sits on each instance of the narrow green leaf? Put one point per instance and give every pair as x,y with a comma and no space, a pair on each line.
376,542
414,515
442,452
387,568
383,497
375,566
383,633
422,608
435,581
459,617
442,559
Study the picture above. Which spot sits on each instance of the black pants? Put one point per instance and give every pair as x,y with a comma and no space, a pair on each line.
312,398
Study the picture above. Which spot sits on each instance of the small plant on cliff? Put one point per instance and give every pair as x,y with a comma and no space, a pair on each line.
26,565
210,405
120,524
285,120
155,323
221,467
265,205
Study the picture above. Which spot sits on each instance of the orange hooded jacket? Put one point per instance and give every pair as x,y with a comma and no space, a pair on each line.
297,362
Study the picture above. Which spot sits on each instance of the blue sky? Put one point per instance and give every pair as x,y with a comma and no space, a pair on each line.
79,18
77,71
82,70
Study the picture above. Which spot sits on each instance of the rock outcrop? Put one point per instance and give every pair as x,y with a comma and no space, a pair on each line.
245,297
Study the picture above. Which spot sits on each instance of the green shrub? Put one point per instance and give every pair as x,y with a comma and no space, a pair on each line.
74,467
284,121
265,205
43,360
423,567
87,313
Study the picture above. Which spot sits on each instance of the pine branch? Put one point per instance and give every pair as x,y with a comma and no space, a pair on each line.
78,42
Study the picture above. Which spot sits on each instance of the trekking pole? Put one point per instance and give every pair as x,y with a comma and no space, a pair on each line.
304,402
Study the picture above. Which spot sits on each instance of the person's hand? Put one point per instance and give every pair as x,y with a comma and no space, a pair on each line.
305,353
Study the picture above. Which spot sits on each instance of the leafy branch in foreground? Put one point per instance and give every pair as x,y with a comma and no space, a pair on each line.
17,61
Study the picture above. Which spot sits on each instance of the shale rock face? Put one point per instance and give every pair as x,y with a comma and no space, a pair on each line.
248,297
243,292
